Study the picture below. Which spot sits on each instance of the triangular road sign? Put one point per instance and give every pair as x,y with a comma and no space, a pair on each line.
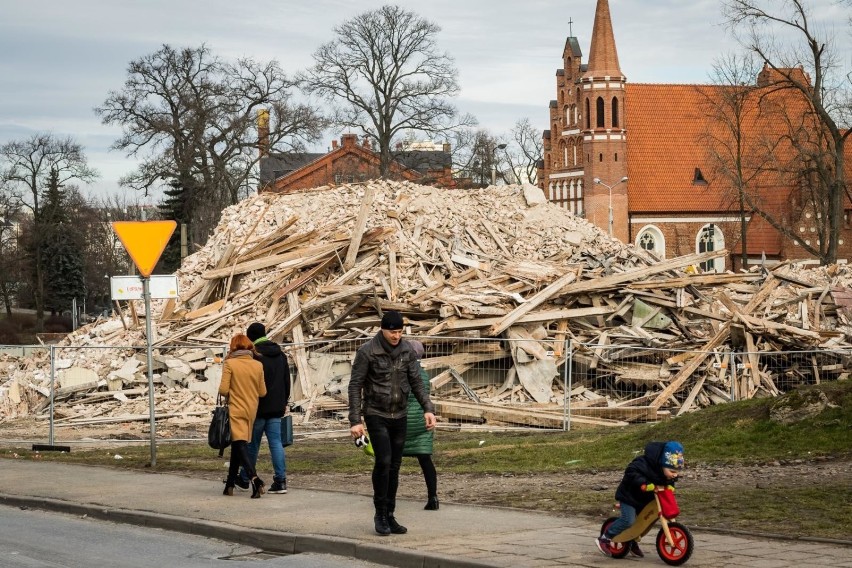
144,241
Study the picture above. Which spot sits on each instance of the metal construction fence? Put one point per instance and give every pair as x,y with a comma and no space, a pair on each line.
74,393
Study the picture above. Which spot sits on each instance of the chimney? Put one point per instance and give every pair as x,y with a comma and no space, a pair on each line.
446,147
334,144
366,142
263,132
349,140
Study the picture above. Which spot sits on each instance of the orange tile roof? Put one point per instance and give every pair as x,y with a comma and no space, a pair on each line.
667,128
665,124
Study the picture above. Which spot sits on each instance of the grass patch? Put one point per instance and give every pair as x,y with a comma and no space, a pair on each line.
732,435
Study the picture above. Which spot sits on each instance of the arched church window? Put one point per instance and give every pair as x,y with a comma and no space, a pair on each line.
588,116
710,238
615,112
599,109
651,239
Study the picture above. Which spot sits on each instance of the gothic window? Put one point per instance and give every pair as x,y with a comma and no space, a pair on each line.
574,147
615,112
588,116
710,238
550,191
573,114
651,239
599,110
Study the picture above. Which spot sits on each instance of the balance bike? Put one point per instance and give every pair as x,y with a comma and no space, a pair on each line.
674,541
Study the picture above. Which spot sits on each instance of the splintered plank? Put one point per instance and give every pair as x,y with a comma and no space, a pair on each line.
302,387
532,303
358,230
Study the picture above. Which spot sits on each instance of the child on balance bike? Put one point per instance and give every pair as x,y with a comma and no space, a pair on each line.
658,467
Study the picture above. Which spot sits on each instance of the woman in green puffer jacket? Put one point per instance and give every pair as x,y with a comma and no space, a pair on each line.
418,440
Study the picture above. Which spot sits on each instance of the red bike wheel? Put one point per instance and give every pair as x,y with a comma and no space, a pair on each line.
616,549
683,545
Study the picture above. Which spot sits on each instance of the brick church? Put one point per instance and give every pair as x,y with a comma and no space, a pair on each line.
629,158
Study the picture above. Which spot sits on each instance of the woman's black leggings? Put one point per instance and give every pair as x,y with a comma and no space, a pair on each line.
239,456
429,474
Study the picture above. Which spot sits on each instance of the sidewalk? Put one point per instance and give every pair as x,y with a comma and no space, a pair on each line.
456,536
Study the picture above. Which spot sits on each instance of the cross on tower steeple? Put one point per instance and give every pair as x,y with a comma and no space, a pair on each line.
570,27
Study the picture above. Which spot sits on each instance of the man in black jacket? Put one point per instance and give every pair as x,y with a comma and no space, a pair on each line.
270,410
385,370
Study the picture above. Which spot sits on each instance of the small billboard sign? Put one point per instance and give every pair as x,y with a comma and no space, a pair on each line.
162,287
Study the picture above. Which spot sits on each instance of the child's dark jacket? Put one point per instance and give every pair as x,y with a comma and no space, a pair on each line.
641,471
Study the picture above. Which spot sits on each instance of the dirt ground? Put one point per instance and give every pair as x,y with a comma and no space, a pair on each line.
494,489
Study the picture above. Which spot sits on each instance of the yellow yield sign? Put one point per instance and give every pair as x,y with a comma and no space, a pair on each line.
144,241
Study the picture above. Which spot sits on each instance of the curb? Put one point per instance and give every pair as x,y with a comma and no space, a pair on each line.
273,541
772,536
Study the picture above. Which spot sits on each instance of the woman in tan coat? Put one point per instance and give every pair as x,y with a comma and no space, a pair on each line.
242,384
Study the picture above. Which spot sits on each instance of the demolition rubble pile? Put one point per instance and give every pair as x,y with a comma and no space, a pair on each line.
497,281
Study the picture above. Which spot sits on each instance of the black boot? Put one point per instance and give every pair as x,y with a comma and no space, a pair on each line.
395,527
432,503
381,522
258,488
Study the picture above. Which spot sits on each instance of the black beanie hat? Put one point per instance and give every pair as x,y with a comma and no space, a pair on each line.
392,320
255,331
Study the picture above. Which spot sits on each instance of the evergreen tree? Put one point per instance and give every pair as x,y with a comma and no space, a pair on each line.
60,246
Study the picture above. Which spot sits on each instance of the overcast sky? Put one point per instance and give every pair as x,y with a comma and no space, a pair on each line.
59,58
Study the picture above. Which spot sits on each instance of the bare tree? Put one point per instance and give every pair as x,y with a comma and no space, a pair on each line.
10,261
191,117
523,153
475,154
386,71
730,140
807,69
26,168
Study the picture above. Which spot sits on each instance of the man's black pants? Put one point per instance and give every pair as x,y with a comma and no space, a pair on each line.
388,438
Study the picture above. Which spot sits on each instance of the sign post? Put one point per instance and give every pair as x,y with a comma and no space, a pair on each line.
145,242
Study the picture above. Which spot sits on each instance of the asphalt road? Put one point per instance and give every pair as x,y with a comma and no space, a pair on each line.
36,539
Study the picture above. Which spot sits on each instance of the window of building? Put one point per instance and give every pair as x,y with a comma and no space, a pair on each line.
652,240
615,112
588,116
599,110
600,157
710,238
698,178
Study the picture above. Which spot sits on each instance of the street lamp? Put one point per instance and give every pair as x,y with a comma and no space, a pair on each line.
494,163
609,187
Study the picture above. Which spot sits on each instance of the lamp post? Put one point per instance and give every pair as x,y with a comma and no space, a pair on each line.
609,187
494,163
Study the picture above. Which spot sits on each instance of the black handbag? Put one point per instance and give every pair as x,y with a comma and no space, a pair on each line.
219,433
287,430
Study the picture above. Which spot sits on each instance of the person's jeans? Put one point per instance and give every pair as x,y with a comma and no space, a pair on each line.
388,438
624,522
272,428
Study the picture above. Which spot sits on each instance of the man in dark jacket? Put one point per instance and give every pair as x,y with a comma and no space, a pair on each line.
384,372
270,410
657,468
